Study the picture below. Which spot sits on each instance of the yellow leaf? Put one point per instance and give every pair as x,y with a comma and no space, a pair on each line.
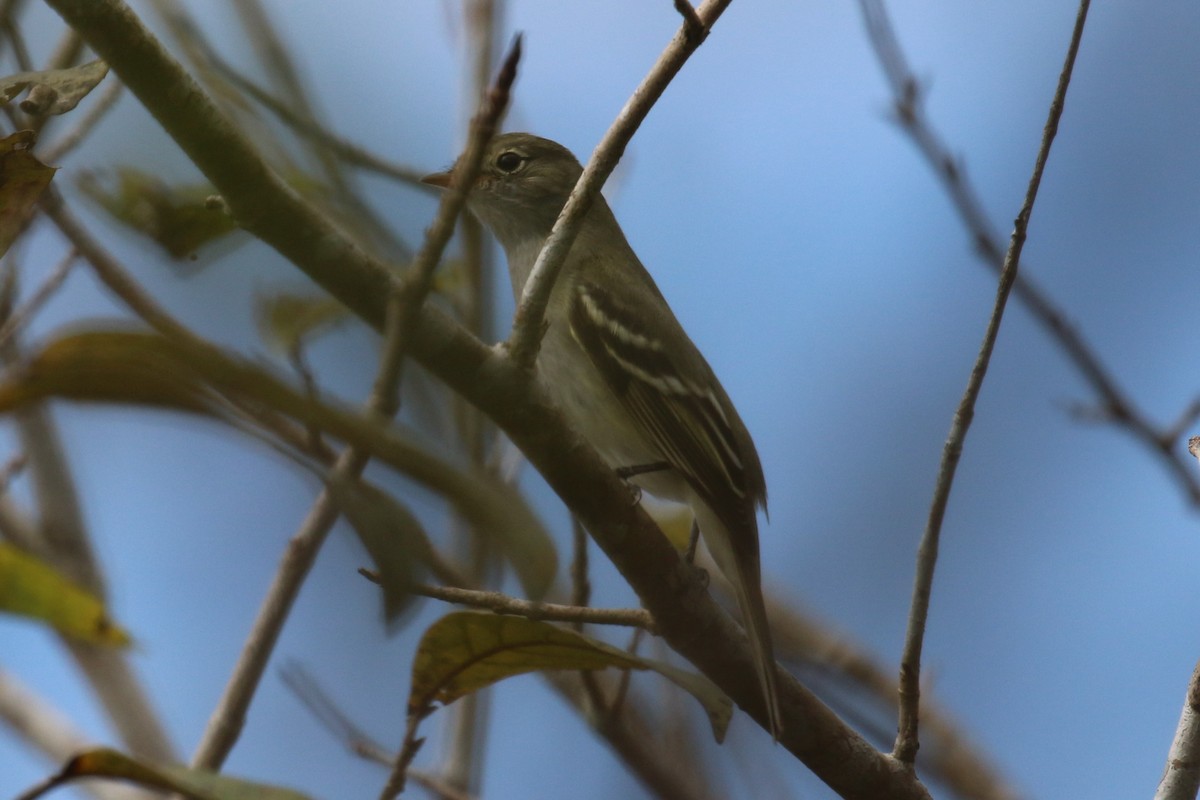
198,784
468,650
32,588
22,180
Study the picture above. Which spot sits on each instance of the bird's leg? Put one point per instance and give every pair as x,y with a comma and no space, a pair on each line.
689,555
625,473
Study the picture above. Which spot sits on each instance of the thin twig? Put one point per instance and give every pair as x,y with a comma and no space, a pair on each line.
109,270
229,717
581,587
526,335
285,75
44,727
317,700
408,296
907,743
409,747
465,727
1118,408
950,757
691,20
104,102
61,536
268,209
349,153
549,612
25,312
10,469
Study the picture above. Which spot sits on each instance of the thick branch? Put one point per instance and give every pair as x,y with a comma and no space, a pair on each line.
688,618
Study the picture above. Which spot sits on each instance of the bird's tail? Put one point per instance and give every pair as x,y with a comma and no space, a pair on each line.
748,586
737,557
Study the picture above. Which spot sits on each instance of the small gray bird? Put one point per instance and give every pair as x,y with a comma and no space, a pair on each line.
624,372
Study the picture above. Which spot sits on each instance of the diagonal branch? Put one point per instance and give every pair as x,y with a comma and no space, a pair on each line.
526,333
910,664
1181,778
1118,408
688,618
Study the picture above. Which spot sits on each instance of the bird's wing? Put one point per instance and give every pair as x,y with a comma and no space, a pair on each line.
674,397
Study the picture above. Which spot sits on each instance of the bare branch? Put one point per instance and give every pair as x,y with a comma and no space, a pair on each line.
910,114
347,151
407,298
60,535
1181,778
44,727
550,612
905,750
526,335
688,618
691,20
54,280
86,124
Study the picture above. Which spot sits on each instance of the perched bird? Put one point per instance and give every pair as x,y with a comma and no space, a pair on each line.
624,372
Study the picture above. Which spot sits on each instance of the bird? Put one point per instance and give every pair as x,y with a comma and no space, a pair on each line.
624,372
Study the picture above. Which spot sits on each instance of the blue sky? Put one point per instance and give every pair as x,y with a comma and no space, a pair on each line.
816,261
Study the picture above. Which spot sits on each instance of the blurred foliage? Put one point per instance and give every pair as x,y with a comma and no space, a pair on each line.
119,365
32,588
179,218
197,784
392,536
466,651
287,319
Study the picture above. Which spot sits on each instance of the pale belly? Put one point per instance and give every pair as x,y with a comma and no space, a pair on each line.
595,411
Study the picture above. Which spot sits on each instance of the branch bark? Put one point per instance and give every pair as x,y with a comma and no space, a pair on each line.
527,324
1116,405
691,622
910,663
1181,779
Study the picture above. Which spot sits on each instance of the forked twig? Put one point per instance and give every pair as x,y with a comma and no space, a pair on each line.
905,749
526,335
908,99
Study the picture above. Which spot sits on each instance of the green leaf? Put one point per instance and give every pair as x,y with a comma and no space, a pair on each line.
177,217
22,180
32,588
285,319
197,784
55,91
468,650
392,536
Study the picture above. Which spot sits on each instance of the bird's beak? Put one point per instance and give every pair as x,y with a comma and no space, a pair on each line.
438,179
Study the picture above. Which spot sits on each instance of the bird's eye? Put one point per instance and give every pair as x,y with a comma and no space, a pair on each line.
509,161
